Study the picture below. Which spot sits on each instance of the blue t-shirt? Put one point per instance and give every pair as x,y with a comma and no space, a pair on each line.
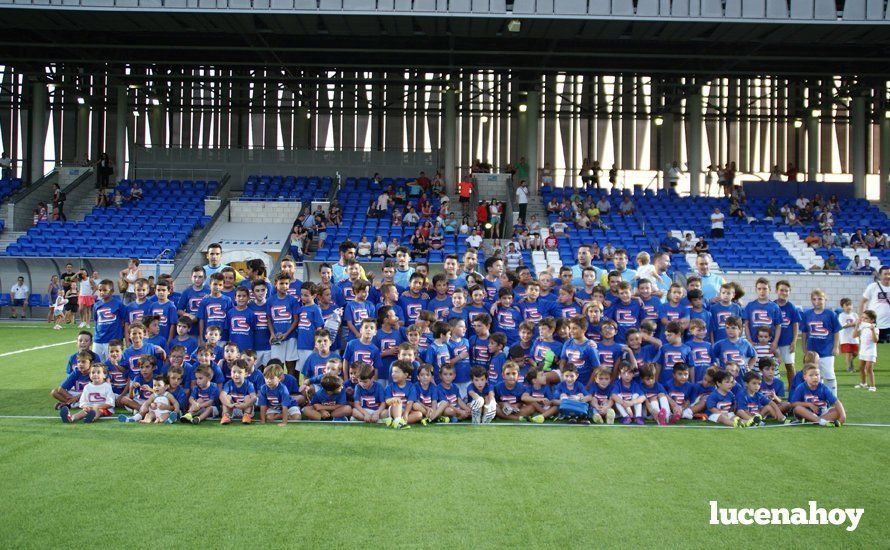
562,311
672,313
261,332
135,311
282,312
790,317
440,307
426,396
437,355
776,388
540,347
479,354
513,396
507,320
315,364
412,306
462,367
240,327
702,358
723,402
575,391
355,312
309,319
653,391
495,366
601,396
651,309
343,293
75,381
404,393
739,352
822,396
386,341
72,362
167,317
609,354
750,403
534,311
626,316
108,318
683,395
671,355
132,356
356,351
322,397
238,393
819,330
719,315
483,393
626,392
190,344
210,393
762,315
189,301
584,356
274,398
371,398
213,312
450,394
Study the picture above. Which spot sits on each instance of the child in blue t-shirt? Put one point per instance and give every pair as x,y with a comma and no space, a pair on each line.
109,317
438,353
480,396
428,401
460,354
627,396
680,393
204,398
68,392
238,395
702,358
368,400
721,404
572,390
601,396
274,399
456,409
751,403
821,332
579,351
654,393
330,403
733,348
510,395
400,396
772,386
213,307
814,401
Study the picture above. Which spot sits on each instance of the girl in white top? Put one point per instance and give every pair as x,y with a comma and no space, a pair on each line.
645,270
867,331
849,345
158,407
59,310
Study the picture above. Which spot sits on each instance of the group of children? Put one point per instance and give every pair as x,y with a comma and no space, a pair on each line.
461,347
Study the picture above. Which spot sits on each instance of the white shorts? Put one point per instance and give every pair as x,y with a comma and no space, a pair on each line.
871,357
295,410
715,417
101,350
285,351
786,353
302,355
826,367
462,388
263,357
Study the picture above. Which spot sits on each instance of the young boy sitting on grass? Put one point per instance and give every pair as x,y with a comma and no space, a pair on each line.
96,398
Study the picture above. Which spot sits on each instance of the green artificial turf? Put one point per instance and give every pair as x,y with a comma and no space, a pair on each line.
343,485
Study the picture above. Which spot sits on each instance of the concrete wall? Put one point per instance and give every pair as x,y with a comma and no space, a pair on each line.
835,286
264,212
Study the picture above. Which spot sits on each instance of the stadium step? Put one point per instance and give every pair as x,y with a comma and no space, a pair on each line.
9,237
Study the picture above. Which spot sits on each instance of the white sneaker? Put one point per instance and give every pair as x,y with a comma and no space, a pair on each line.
863,386
872,389
80,325
610,416
57,327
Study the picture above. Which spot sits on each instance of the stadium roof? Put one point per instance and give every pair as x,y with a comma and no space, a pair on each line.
442,43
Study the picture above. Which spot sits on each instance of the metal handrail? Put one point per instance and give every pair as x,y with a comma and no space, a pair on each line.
223,194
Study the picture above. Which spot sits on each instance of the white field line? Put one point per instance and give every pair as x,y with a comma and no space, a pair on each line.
508,425
35,348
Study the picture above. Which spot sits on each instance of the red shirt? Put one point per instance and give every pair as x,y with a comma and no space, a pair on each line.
465,188
482,213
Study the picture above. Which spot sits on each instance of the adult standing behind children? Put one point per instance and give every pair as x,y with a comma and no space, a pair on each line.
522,200
19,294
877,298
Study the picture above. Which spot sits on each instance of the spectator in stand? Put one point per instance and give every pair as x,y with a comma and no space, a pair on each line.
58,204
423,181
870,240
559,227
521,169
831,264
881,240
701,245
791,172
828,239
857,240
775,174
382,203
464,190
736,210
135,192
419,245
866,268
833,205
438,184
596,254
396,218
400,195
465,226
813,240
535,242
673,176
688,244
378,249
363,248
553,206
496,210
717,219
450,226
392,248
586,174
661,261
855,264
604,206
513,257
481,214
670,244
436,238
411,217
335,213
546,176
627,207
5,166
474,240
772,211
18,293
608,252
613,179
801,201
522,199
414,190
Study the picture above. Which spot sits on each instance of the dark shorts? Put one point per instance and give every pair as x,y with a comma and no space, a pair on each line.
18,303
884,335
71,305
465,199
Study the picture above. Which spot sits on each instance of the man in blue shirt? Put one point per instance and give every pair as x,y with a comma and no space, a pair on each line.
670,244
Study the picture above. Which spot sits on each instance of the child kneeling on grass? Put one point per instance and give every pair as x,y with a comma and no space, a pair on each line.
96,398
722,403
814,402
752,403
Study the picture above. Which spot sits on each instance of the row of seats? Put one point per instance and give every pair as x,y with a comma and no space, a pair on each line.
162,220
8,187
301,188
